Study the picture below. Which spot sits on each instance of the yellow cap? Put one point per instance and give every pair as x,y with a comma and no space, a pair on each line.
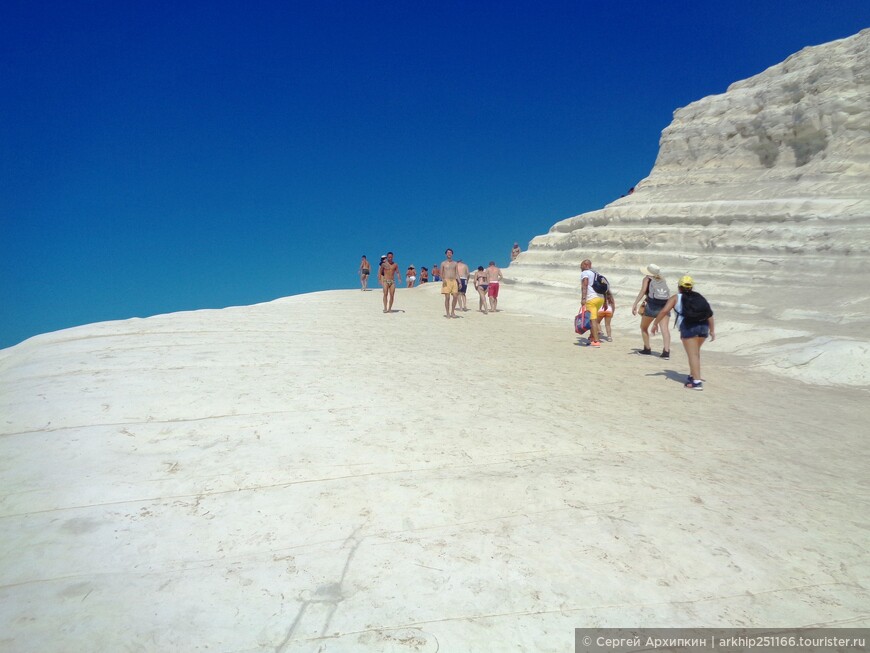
685,282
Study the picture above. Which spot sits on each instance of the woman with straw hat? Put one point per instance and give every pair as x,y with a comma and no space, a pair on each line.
655,293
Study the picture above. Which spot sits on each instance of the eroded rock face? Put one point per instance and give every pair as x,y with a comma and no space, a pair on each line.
802,126
763,195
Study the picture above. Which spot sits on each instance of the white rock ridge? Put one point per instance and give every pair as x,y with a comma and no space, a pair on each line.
763,195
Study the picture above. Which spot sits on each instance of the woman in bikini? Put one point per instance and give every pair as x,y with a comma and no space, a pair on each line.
481,285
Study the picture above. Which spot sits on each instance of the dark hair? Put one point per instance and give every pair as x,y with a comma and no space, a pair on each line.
388,253
448,250
480,268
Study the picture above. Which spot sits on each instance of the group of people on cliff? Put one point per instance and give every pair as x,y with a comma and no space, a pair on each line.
654,303
454,275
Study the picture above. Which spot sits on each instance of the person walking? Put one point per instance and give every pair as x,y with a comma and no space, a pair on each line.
449,284
481,284
606,314
462,271
695,322
388,274
493,276
364,269
590,300
654,292
411,276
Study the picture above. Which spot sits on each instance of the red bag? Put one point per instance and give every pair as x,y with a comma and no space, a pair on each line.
582,323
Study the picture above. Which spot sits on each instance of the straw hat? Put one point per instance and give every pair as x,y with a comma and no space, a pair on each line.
653,270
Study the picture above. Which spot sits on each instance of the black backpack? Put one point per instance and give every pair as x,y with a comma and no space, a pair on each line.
600,284
694,307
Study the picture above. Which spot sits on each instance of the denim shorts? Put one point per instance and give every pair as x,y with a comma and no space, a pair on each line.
695,330
653,307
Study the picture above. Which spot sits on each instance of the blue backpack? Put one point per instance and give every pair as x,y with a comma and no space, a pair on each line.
600,284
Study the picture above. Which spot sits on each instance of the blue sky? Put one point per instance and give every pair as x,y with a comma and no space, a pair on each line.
165,156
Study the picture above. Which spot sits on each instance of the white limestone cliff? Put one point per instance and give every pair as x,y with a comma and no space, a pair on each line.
762,194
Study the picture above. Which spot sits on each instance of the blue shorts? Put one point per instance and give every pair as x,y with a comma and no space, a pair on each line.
463,285
695,330
654,307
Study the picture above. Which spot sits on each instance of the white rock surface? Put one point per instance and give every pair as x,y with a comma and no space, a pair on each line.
763,195
314,475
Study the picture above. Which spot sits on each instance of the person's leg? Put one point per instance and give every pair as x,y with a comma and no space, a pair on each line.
593,306
607,327
644,331
446,305
666,334
693,353
593,327
593,322
600,320
386,293
392,296
454,298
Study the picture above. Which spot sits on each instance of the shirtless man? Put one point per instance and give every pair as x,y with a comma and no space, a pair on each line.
449,284
462,272
387,275
364,269
493,276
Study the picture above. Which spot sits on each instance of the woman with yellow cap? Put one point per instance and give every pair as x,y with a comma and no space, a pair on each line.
695,322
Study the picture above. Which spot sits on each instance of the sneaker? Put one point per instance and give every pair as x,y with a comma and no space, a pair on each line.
645,351
595,343
666,355
694,385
